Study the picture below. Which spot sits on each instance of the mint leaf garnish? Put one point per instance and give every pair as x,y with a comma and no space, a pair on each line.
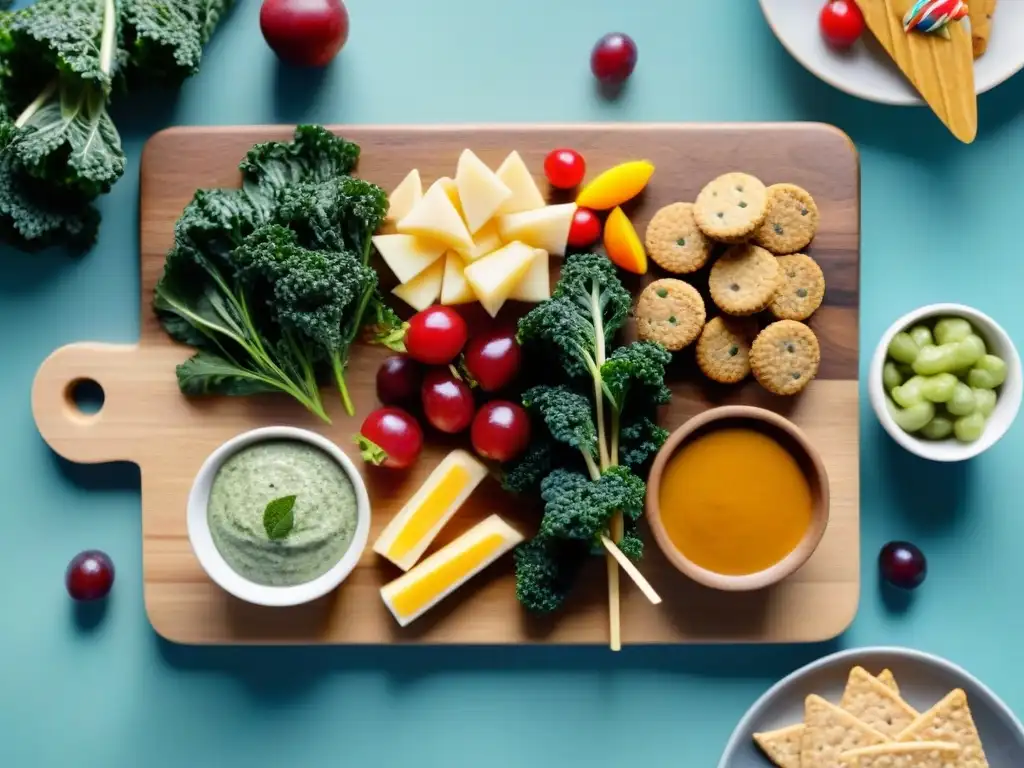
278,517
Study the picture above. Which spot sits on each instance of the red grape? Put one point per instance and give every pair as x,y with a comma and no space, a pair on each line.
447,401
305,33
436,335
390,437
902,564
398,380
501,430
613,58
493,358
842,23
89,575
565,168
585,229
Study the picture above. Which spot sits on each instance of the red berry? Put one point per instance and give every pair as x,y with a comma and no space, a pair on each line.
305,33
613,58
585,229
501,430
842,23
902,564
89,575
493,358
390,437
447,401
398,380
436,335
565,168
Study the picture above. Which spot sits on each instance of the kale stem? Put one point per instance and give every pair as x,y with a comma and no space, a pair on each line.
595,309
339,376
592,468
108,37
34,107
615,437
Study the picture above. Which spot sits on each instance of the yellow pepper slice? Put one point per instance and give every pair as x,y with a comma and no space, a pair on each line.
616,185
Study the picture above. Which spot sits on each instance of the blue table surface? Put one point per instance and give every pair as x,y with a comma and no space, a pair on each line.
941,222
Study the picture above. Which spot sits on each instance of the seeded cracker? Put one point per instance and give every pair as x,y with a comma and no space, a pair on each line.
674,241
670,312
782,746
785,356
831,731
744,280
791,220
875,704
950,720
923,754
723,350
886,677
731,208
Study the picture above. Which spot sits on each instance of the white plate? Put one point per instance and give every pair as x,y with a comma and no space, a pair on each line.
867,72
923,680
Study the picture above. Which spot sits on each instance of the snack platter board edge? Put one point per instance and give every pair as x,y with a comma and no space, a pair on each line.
145,420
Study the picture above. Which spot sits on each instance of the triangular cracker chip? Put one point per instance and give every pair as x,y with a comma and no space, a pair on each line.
782,746
829,732
922,754
886,678
875,704
950,720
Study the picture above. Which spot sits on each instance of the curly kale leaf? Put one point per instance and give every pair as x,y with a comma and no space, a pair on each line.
587,309
577,507
165,38
525,473
631,545
639,439
568,416
636,366
546,570
315,154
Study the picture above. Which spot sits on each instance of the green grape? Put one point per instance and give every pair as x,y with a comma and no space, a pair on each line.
932,360
984,401
962,403
922,336
910,392
939,428
905,370
969,351
903,349
950,330
891,376
939,388
913,418
969,428
988,373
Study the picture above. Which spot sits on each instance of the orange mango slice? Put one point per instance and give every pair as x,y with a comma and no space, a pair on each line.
623,245
616,185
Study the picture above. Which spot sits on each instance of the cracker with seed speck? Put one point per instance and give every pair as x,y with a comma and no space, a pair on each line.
874,703
950,720
829,732
782,746
922,754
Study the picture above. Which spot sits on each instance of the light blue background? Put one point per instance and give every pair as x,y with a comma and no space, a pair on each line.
941,221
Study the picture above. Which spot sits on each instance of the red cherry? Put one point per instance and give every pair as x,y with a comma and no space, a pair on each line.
613,58
390,437
89,575
842,23
565,168
447,401
304,33
436,335
585,229
501,430
493,358
398,380
902,564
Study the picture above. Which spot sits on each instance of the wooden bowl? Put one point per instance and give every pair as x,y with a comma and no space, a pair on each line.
790,437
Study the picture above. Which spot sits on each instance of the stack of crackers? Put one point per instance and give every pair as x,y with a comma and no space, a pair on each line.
752,236
872,727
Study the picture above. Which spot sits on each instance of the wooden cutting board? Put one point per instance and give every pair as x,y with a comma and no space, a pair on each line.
146,420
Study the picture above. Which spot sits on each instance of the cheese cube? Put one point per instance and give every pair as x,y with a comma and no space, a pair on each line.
455,288
486,240
410,532
435,217
408,255
424,289
493,277
480,190
535,285
526,196
414,593
546,227
408,192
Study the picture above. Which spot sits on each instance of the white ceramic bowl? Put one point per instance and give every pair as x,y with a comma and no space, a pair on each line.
998,342
216,566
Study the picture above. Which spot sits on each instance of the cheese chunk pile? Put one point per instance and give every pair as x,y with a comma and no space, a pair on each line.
483,236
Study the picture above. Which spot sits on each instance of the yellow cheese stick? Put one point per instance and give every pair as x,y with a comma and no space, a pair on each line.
414,593
410,532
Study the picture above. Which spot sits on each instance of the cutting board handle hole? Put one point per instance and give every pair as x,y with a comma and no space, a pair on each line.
84,397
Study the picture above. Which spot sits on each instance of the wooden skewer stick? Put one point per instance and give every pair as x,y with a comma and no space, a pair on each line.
631,570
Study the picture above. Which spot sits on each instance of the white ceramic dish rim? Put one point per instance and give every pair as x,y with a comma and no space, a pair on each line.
1007,406
741,733
216,566
902,98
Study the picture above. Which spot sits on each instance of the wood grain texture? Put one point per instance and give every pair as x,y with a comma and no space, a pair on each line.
146,420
